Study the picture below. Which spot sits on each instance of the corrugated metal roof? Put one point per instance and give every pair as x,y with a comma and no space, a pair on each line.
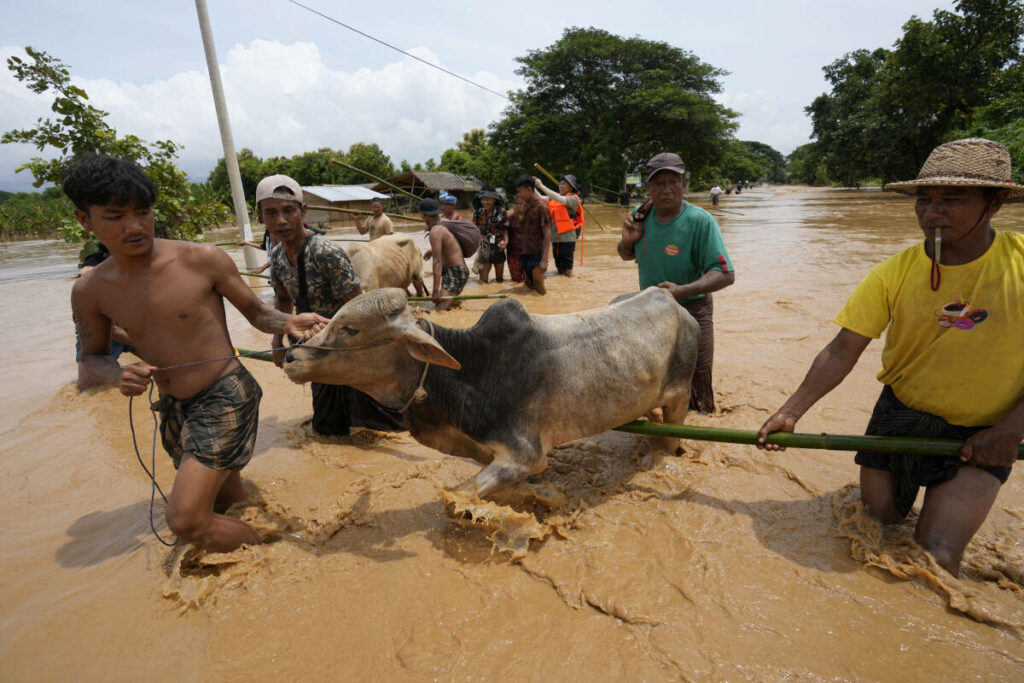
343,193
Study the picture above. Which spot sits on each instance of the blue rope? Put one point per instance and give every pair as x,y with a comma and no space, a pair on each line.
155,488
152,474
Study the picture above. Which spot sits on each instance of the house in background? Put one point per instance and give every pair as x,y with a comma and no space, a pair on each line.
355,197
430,183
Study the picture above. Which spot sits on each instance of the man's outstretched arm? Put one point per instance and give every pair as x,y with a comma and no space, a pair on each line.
264,318
829,368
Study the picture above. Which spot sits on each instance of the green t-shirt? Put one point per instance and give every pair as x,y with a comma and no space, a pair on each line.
682,250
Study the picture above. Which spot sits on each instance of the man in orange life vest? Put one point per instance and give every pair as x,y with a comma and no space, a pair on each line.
566,209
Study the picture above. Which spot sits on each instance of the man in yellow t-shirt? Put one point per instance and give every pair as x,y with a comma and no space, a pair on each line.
953,361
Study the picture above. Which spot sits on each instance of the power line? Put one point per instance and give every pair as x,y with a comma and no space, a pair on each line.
397,49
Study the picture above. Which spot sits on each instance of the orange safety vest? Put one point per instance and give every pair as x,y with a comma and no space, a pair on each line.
560,214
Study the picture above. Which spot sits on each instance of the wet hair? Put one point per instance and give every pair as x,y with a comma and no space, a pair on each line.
98,179
524,181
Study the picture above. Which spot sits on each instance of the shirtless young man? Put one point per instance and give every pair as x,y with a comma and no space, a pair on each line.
450,270
169,296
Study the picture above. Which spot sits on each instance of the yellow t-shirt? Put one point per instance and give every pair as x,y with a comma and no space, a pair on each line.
958,352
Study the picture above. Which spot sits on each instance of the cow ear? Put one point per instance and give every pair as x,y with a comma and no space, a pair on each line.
423,347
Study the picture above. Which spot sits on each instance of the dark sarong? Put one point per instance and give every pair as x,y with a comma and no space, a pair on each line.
337,408
891,417
702,395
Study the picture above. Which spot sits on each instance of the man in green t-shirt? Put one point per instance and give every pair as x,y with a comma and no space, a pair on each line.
678,247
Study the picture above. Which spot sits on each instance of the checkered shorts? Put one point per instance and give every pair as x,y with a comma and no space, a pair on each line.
217,425
454,278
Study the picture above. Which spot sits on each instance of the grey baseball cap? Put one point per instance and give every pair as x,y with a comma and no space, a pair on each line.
666,161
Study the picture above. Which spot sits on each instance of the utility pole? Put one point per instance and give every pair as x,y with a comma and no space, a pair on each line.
252,259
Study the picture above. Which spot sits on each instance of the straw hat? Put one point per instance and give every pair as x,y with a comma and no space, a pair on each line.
971,162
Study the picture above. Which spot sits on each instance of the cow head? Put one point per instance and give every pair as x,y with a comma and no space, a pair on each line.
372,343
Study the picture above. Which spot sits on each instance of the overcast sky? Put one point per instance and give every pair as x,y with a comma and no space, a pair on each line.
295,81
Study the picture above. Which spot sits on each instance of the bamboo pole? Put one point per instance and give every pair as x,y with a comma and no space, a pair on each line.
831,442
606,189
255,355
363,212
460,297
370,175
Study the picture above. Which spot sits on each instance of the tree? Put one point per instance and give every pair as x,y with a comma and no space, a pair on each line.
370,158
746,160
599,106
250,168
889,108
475,156
804,165
80,128
1002,119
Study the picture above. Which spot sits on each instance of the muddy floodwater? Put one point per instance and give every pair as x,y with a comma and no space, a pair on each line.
726,563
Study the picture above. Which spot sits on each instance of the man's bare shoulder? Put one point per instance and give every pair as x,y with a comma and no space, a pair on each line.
206,259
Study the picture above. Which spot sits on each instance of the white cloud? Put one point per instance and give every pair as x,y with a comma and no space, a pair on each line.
282,100
769,118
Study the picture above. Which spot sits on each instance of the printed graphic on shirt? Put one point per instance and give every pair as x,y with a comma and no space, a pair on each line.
671,250
960,315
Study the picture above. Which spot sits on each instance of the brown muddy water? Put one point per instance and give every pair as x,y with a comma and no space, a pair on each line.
726,563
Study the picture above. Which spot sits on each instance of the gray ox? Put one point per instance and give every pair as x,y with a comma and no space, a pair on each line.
388,261
507,390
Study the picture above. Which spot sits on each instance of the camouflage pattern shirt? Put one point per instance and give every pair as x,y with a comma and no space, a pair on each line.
330,276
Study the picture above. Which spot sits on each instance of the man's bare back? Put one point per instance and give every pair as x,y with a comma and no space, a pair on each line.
443,243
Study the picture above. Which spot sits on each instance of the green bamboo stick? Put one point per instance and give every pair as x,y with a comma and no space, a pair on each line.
362,212
379,180
255,355
265,277
606,189
832,442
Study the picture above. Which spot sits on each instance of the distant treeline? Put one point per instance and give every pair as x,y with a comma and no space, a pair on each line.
959,75
600,118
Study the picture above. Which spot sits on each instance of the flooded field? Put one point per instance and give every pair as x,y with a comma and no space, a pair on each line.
726,563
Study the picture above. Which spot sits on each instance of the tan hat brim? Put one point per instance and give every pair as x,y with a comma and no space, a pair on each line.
1016,192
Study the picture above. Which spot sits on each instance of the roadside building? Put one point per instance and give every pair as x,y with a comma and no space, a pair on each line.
354,197
432,183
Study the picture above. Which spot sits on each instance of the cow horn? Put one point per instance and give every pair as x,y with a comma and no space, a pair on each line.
425,348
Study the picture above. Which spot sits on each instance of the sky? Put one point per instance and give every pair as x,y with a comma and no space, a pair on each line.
295,81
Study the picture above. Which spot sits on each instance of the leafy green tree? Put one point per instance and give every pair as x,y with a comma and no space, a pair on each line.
804,165
80,128
1002,119
370,158
889,108
599,106
744,160
475,156
250,168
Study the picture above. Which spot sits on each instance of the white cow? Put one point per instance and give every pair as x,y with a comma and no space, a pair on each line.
388,261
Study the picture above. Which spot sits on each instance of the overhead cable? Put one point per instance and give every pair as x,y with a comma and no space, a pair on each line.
397,49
